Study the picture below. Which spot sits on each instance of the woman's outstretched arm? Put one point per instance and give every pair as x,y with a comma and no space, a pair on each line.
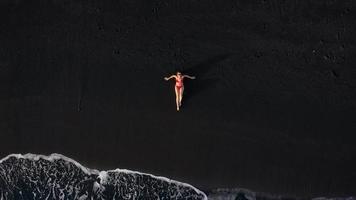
190,77
167,78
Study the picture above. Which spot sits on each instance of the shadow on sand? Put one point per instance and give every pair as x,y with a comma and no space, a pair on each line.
194,87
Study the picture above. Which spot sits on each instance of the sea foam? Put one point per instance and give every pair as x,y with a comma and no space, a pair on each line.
32,176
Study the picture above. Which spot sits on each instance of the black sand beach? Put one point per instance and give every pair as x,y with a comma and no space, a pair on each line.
272,108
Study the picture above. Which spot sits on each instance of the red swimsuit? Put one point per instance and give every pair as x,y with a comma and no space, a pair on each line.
179,82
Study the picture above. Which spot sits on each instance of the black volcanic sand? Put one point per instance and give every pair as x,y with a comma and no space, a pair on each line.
272,109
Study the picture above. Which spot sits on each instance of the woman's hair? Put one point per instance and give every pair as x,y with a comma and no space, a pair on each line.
178,72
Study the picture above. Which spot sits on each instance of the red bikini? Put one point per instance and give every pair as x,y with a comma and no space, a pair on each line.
179,82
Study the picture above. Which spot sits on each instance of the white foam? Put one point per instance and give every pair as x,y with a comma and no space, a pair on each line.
51,158
103,175
159,178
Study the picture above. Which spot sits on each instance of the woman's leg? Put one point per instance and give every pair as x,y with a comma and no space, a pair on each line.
181,95
177,96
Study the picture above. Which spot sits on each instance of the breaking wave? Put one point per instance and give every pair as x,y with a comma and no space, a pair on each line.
33,176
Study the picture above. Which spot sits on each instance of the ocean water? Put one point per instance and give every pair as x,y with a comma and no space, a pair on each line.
245,194
58,177
33,176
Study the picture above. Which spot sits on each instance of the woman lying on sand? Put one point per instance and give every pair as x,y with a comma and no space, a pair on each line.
179,87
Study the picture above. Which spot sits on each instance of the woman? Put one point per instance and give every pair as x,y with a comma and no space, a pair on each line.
179,87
